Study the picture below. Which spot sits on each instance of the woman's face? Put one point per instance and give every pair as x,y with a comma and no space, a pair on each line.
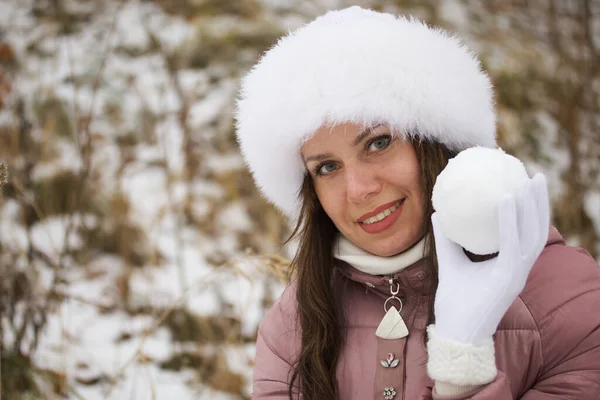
368,183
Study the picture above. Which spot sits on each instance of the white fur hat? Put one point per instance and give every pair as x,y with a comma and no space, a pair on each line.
365,67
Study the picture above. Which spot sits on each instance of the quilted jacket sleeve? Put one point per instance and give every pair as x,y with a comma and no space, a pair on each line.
275,349
571,344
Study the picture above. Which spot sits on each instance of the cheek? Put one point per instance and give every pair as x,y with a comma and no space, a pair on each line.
325,196
332,202
407,178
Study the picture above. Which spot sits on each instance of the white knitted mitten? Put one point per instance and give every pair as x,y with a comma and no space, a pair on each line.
472,297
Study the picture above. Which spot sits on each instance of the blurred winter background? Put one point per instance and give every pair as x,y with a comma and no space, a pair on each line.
136,257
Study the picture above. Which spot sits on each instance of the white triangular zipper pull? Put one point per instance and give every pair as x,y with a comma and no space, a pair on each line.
392,326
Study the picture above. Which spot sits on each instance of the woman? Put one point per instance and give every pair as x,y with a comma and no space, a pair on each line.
345,125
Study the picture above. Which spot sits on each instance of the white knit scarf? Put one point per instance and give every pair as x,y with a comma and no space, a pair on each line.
371,264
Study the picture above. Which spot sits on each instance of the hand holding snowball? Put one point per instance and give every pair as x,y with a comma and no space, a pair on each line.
472,297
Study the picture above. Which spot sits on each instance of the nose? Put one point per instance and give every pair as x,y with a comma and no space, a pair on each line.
361,184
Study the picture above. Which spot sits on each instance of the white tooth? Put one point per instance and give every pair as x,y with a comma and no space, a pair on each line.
382,214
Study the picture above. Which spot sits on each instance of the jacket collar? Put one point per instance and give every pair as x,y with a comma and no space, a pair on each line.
415,278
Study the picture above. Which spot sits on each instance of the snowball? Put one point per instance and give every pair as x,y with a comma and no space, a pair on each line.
467,193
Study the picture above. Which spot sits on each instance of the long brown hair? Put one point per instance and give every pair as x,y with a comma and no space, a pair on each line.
320,312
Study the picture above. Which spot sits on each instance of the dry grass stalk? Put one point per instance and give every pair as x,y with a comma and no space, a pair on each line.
3,181
3,175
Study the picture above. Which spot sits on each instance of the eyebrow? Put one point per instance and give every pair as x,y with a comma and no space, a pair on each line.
364,133
359,138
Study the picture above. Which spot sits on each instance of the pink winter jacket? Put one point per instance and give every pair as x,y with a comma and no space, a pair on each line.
547,344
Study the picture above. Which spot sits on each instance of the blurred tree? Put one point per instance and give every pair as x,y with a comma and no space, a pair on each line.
545,59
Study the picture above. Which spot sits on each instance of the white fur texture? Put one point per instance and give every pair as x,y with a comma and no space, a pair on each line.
467,193
359,66
458,363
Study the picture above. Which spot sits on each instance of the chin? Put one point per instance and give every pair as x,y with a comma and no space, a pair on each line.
391,246
386,250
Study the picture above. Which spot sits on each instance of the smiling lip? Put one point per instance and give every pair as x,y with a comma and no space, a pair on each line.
380,226
378,210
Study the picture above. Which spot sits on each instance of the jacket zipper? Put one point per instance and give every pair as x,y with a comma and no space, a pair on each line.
394,284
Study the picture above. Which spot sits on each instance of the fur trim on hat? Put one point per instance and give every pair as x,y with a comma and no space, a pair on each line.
364,67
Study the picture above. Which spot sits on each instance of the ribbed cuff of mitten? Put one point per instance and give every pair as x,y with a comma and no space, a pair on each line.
444,389
459,363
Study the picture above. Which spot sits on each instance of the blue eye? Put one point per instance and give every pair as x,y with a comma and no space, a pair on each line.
379,143
326,168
